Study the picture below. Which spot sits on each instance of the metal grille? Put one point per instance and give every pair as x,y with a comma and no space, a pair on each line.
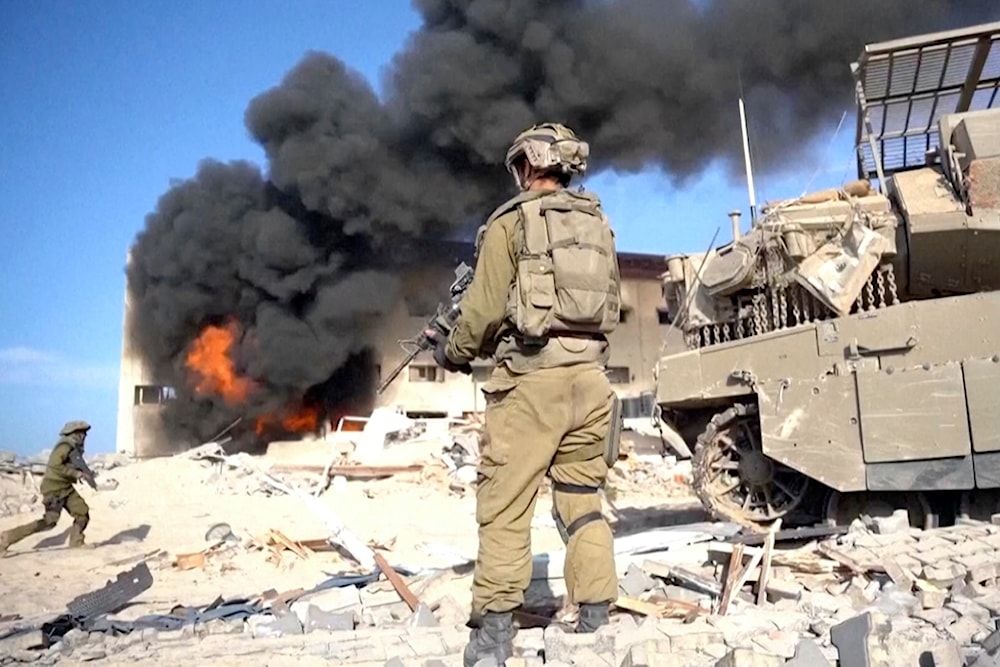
906,85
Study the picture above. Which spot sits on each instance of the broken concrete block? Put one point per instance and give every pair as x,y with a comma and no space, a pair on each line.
781,589
690,636
337,599
218,626
717,651
524,661
531,641
939,618
793,621
963,606
318,619
312,618
564,645
739,630
932,599
825,604
943,571
23,641
274,626
780,642
637,656
808,654
741,657
423,617
89,653
74,637
967,629
635,582
426,644
897,522
683,594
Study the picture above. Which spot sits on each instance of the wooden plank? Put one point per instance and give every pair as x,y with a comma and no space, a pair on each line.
639,607
828,550
732,574
281,539
350,472
806,533
765,564
397,582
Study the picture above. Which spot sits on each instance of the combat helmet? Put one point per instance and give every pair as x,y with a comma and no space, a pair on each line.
73,426
548,147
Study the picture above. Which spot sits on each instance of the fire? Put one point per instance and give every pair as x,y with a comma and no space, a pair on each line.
304,420
214,373
209,359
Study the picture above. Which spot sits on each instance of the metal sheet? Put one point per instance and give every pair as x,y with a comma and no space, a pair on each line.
905,86
924,475
884,331
982,396
812,426
987,470
913,414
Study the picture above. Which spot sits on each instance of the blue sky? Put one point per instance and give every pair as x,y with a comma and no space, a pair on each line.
103,103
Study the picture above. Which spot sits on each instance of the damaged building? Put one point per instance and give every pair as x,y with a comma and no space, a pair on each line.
422,390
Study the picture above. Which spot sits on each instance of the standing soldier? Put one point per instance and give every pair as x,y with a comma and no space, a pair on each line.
66,467
545,294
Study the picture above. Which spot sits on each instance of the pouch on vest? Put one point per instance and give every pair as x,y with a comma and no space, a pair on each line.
567,271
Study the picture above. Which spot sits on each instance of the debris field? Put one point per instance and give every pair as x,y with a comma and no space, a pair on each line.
341,551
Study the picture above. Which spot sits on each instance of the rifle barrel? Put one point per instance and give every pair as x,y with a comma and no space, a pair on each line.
398,369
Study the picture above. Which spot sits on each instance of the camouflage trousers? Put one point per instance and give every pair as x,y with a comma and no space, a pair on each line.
534,422
75,506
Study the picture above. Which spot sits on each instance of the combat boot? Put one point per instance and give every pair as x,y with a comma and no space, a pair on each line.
76,540
494,638
593,616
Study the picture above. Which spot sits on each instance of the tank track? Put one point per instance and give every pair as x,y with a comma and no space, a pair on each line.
823,506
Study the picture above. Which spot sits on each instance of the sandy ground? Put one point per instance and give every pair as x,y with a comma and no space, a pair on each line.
169,504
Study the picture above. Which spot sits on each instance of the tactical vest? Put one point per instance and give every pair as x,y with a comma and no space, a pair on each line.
567,278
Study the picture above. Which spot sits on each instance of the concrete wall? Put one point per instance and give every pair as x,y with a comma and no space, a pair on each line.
422,388
139,431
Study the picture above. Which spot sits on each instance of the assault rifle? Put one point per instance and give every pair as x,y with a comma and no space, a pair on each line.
442,322
86,474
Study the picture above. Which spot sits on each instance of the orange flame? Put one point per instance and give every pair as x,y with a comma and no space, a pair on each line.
305,420
209,359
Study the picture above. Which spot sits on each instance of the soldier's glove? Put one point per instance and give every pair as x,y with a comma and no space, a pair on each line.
441,358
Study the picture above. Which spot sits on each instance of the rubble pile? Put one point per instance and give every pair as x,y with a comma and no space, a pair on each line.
19,479
691,591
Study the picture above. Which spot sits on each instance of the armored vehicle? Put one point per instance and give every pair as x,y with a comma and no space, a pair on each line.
842,357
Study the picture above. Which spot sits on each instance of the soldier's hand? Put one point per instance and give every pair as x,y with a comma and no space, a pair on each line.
442,360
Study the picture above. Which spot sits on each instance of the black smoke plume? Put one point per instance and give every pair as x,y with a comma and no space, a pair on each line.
305,258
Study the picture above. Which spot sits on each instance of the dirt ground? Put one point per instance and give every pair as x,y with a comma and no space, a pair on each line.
165,506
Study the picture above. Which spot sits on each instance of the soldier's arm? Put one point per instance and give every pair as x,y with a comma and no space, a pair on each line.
485,303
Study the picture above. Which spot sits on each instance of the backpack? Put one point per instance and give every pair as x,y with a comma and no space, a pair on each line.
567,267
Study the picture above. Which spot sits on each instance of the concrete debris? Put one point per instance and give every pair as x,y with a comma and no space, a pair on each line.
880,595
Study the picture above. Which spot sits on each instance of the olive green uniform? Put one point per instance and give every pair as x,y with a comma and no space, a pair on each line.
548,411
58,494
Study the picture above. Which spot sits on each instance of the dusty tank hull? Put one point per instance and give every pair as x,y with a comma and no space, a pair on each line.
844,356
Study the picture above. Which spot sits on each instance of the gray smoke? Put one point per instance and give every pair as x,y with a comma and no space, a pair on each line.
305,258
